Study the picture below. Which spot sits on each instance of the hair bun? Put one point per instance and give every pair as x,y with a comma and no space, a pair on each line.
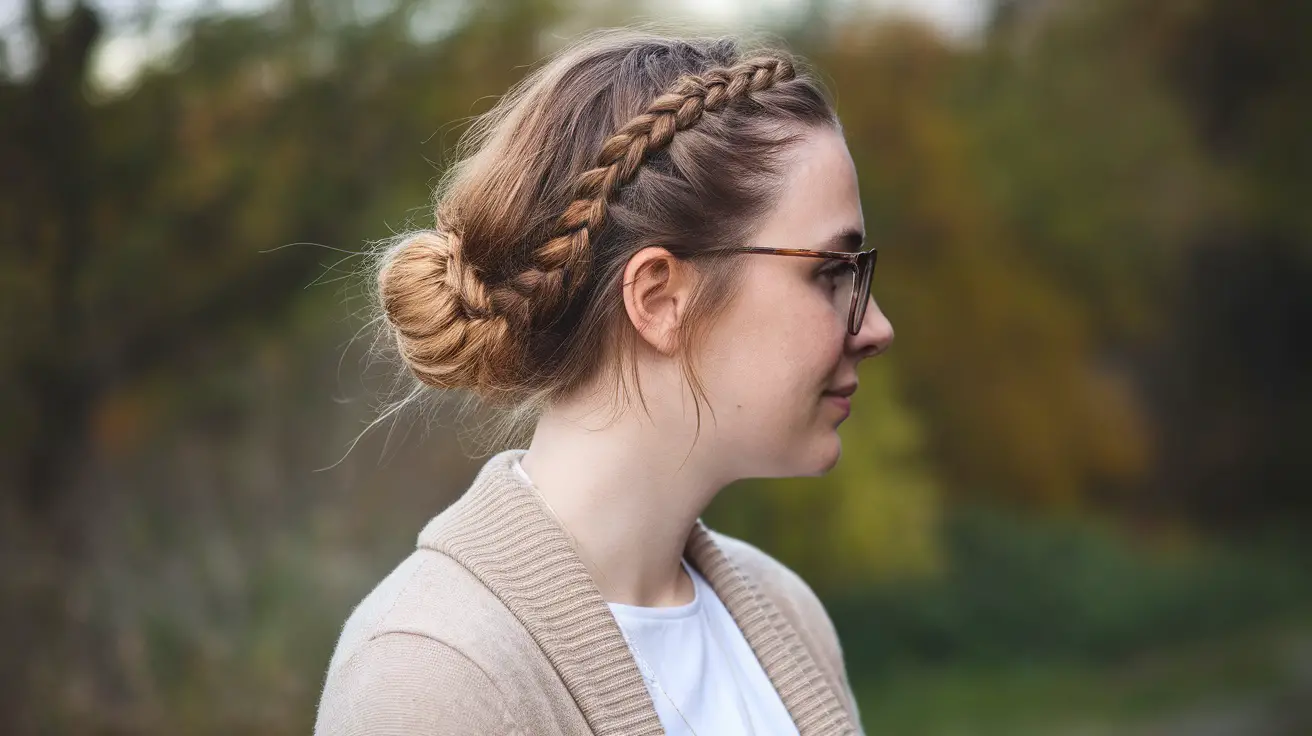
443,316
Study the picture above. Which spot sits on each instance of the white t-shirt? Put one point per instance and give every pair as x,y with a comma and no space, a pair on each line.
699,657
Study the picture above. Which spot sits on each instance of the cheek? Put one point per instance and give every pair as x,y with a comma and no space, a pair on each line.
779,346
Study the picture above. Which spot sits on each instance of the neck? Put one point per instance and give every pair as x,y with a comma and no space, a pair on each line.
627,494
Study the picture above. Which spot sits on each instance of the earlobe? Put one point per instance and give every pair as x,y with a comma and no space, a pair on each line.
656,293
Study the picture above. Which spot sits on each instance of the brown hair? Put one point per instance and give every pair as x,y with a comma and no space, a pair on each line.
623,140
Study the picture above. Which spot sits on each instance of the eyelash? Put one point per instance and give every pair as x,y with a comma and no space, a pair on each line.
831,269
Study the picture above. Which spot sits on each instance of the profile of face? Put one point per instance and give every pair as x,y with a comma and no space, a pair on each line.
772,359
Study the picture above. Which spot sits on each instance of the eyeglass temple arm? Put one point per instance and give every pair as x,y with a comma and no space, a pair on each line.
842,255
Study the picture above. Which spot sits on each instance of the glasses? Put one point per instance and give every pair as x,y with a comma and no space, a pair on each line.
852,295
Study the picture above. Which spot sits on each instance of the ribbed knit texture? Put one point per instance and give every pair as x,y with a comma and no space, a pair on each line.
502,533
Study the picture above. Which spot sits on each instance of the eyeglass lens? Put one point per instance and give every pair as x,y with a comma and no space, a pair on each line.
865,270
852,294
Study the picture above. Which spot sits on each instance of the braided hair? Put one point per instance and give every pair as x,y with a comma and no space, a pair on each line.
621,141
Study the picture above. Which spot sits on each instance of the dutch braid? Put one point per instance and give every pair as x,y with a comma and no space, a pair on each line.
567,254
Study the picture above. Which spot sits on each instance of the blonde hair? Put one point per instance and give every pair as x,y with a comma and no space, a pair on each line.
623,140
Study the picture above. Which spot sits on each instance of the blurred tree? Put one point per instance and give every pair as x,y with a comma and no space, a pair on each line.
48,190
135,239
116,268
133,229
1155,160
1232,379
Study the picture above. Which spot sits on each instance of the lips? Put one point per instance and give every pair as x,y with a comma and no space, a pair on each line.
841,397
842,391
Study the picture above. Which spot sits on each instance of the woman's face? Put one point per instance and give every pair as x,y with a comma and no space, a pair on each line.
782,345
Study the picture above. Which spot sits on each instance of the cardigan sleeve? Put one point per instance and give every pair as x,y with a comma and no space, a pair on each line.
403,683
817,626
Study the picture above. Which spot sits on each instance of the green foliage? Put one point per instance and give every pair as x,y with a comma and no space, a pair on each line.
1021,588
1079,146
1250,683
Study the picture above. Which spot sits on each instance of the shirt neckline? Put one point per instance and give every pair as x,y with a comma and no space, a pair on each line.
665,613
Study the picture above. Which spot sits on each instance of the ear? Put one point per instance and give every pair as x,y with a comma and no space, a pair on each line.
657,290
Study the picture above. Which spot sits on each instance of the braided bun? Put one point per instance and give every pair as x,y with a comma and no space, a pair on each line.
448,329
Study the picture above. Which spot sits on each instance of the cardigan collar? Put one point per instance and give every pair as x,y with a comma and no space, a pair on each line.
502,533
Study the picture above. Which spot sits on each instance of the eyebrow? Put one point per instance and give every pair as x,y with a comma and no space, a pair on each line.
850,240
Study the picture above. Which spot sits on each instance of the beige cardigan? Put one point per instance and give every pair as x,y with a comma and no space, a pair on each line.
494,626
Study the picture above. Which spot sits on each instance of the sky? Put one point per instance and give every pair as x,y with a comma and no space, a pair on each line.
126,48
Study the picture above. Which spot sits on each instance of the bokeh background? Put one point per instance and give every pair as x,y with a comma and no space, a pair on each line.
1074,498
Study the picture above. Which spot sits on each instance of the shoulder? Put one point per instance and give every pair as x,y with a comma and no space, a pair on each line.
798,603
408,660
403,683
427,594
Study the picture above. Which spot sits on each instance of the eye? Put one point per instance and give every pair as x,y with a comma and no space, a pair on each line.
829,273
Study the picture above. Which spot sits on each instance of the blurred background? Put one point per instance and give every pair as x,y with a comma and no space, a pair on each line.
1074,498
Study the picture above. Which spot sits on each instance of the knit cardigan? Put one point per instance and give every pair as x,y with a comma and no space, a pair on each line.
494,626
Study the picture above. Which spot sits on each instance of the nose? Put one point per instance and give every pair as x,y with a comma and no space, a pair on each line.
875,335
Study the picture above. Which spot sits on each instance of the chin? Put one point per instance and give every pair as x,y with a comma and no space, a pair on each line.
823,456
801,457
831,459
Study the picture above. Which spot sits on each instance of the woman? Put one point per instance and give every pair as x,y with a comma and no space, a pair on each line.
651,247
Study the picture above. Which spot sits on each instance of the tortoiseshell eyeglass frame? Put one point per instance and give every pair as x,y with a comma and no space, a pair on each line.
862,263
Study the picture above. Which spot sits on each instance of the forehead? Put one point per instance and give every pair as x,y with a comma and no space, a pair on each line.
820,196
